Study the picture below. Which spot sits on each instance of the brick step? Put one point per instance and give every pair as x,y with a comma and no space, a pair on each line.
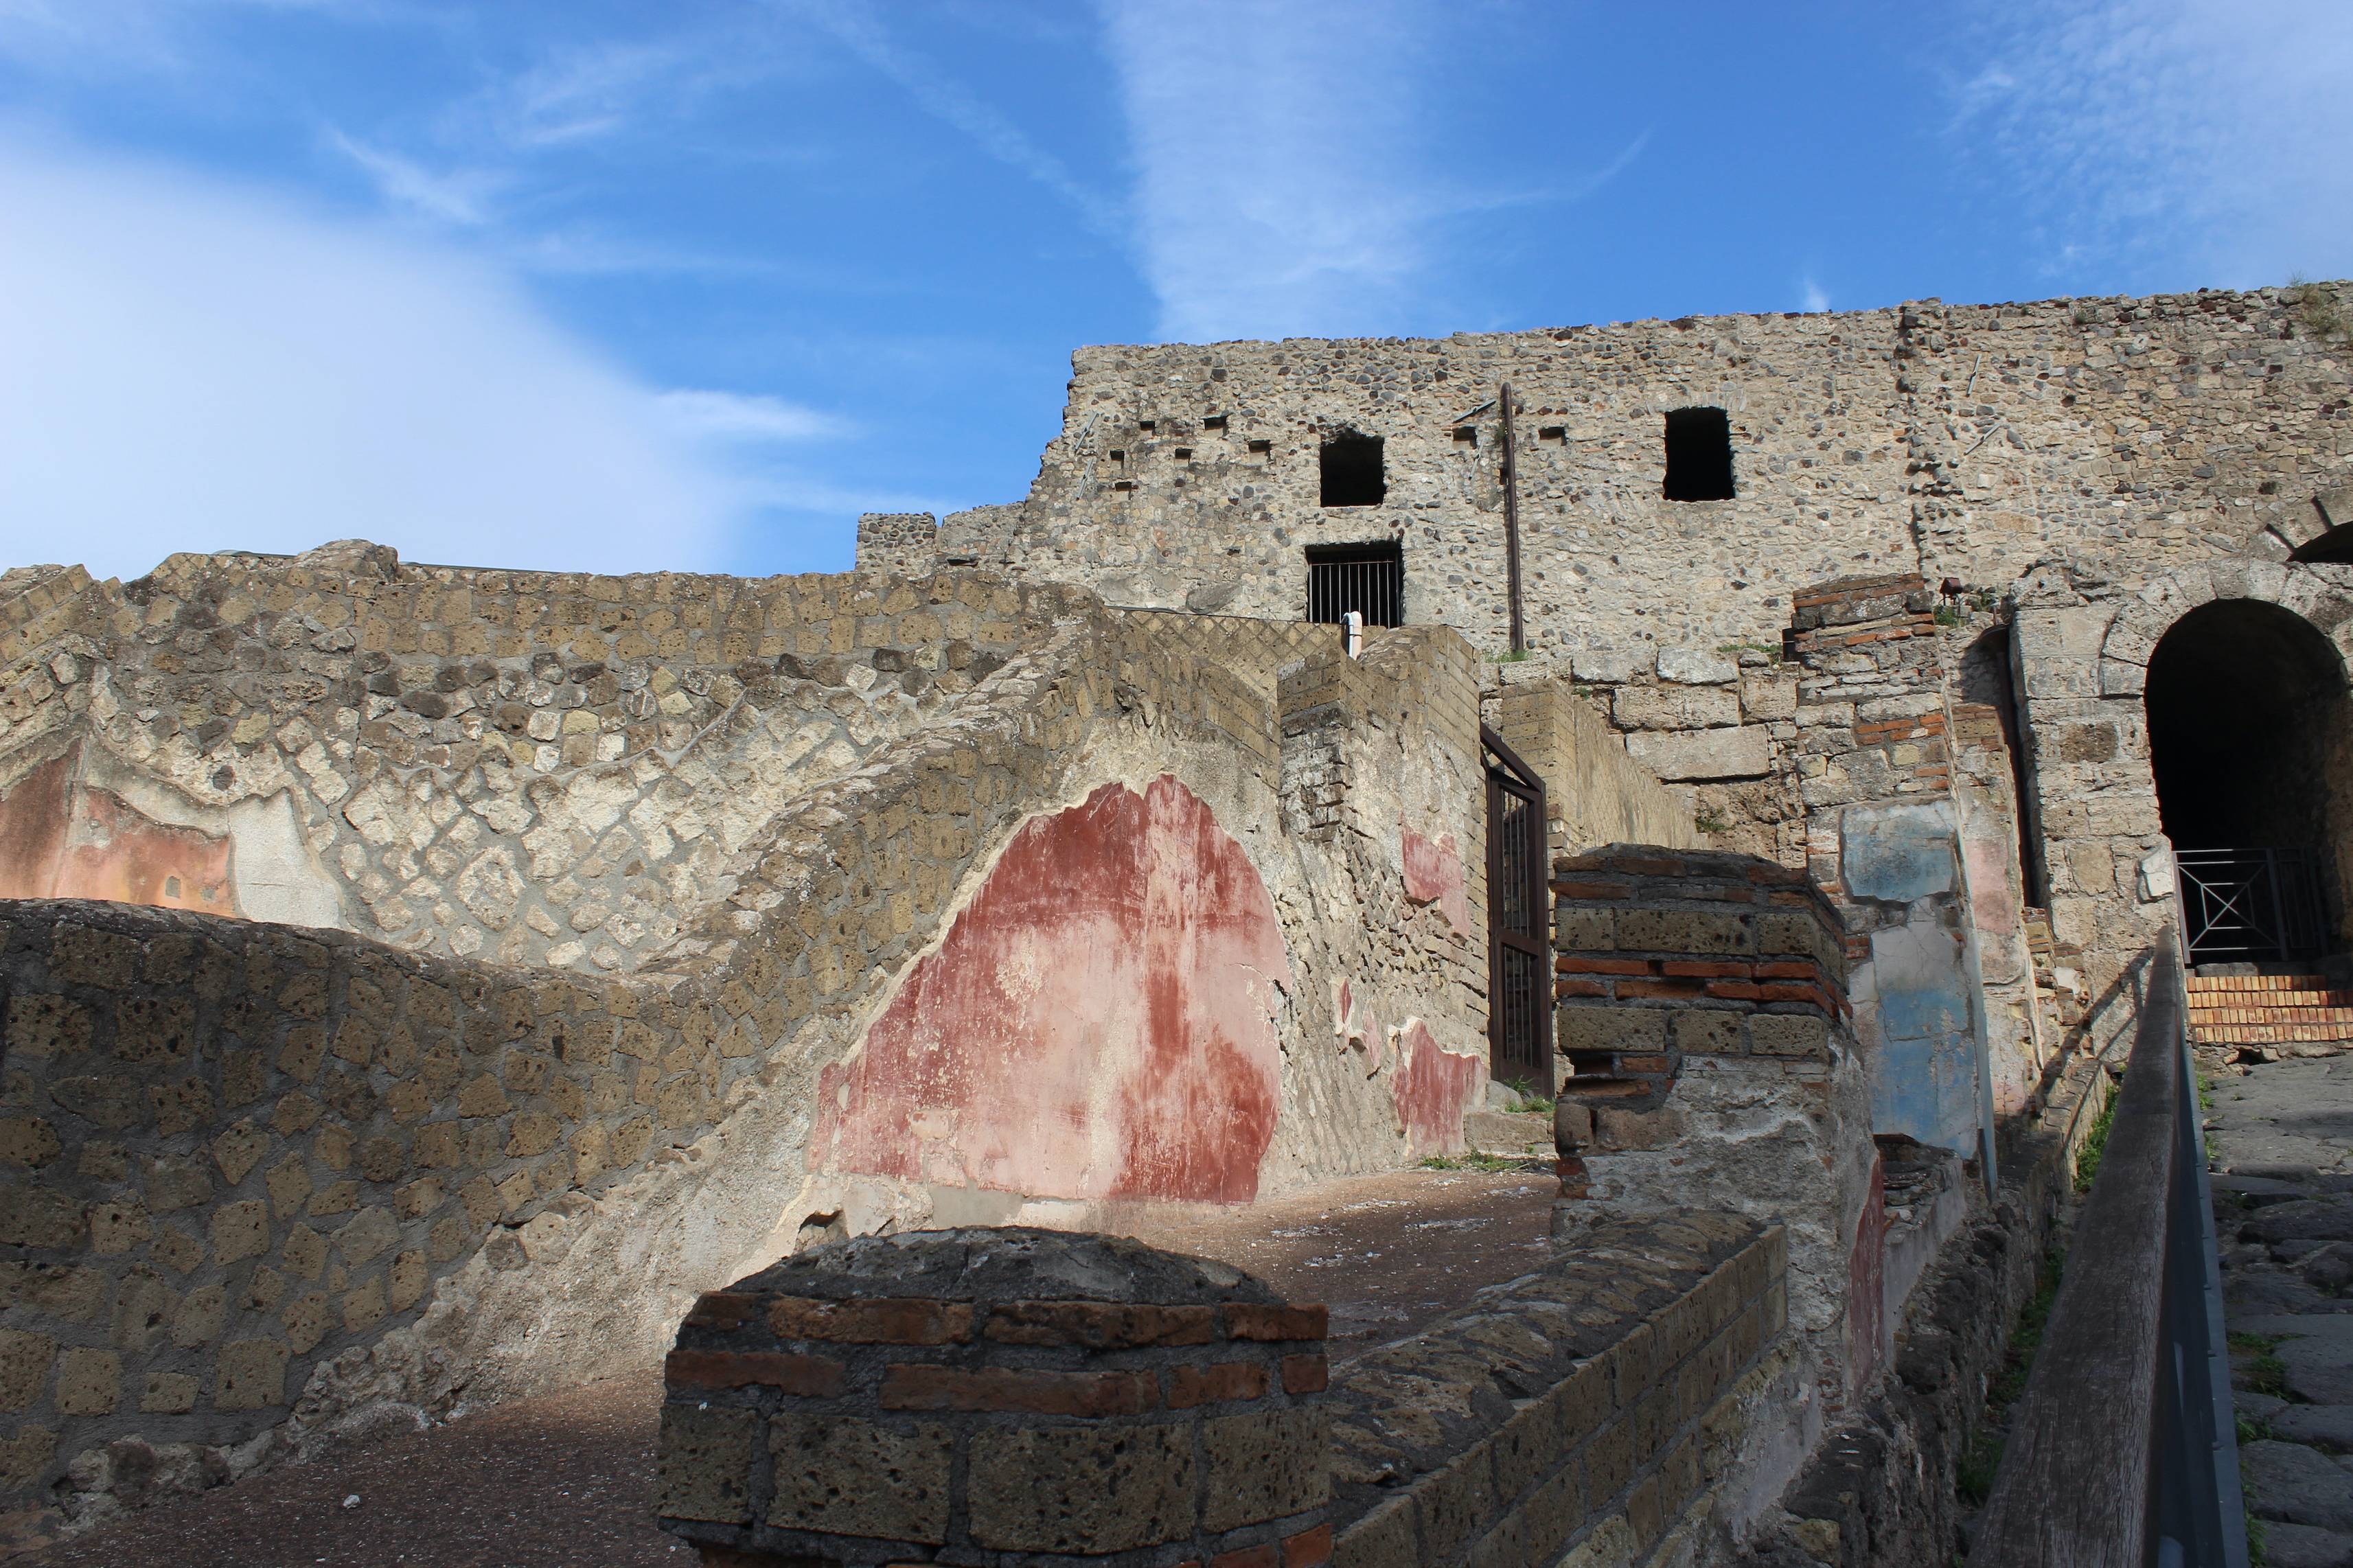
2272,999
2308,1017
2211,985
2272,1034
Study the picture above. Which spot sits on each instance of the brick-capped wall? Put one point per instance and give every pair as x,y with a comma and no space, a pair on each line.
1663,956
975,1392
1612,1402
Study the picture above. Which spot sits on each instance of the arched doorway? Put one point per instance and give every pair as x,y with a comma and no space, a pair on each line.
2247,732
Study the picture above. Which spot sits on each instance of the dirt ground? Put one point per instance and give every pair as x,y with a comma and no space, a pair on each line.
566,1482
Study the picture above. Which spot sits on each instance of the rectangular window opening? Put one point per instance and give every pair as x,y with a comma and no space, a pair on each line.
1367,578
1353,474
1184,454
1699,455
1553,433
1261,447
1214,422
1464,435
1146,425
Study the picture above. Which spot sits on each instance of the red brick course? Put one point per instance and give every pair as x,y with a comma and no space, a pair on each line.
876,1322
1101,1326
1090,1393
811,1377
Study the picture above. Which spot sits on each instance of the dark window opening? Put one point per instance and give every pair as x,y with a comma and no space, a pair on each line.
1214,422
1553,433
1464,435
1699,455
1184,454
1146,425
1366,578
1261,447
1353,475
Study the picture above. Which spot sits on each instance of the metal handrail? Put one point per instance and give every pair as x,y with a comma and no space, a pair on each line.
2261,905
2123,1450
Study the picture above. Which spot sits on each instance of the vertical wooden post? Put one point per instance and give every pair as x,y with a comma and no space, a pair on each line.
1511,517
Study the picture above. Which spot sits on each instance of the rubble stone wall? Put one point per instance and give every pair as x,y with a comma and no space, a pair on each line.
271,1187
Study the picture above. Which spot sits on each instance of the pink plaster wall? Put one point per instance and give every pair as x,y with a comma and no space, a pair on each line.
1433,1086
63,839
1099,1022
1433,874
1866,1296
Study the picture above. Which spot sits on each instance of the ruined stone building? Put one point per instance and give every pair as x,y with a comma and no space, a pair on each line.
1785,737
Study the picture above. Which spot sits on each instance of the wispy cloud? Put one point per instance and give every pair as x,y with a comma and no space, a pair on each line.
461,196
193,367
1814,297
1276,183
740,417
2191,139
938,93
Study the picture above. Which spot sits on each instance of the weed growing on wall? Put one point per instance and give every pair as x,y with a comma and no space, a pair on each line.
2096,1143
1982,1459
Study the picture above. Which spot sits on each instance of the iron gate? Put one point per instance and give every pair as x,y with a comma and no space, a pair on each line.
1519,922
2251,906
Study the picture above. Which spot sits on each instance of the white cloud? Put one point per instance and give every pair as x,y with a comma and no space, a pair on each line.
1816,300
191,366
2198,140
1281,189
737,416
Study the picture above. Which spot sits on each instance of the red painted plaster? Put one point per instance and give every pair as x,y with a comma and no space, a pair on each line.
1099,1022
62,839
1433,874
1434,1086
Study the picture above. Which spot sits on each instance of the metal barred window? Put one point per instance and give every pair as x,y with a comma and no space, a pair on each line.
1366,578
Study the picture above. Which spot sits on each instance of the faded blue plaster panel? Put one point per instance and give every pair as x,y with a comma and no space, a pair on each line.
1924,1081
1897,853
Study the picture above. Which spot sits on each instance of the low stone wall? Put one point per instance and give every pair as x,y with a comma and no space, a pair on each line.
1014,1397
1624,1404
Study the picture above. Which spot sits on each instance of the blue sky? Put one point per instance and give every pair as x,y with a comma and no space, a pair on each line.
625,285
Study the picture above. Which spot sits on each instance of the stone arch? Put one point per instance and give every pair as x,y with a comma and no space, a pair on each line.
2281,634
2321,594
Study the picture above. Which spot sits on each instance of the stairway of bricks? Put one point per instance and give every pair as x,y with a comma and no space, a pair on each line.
2268,1010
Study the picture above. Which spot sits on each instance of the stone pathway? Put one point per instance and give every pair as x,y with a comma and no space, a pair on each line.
2281,1136
567,1480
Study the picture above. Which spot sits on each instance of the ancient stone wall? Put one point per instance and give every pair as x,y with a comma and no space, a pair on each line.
1594,793
1633,1400
275,1186
1704,1025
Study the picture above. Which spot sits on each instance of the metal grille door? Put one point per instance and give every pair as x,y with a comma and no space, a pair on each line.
1519,923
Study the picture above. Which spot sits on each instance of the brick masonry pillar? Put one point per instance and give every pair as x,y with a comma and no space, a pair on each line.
1664,955
998,1398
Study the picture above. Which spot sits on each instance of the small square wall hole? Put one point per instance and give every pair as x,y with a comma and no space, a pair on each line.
1261,447
1352,470
1553,433
1146,425
1465,436
1184,454
1214,422
1699,455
